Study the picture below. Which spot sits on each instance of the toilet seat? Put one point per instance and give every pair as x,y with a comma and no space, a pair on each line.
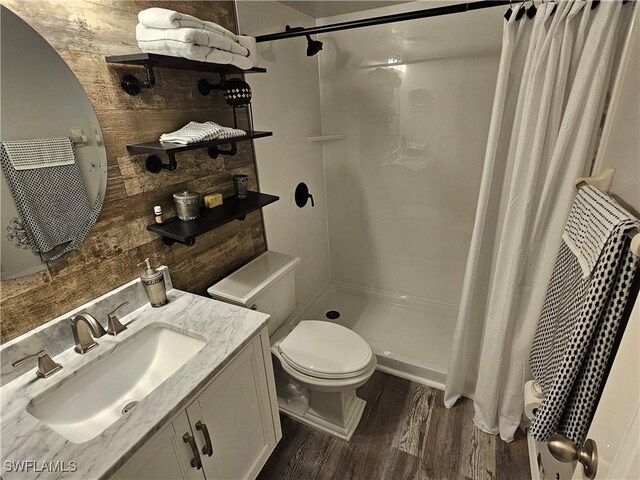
323,349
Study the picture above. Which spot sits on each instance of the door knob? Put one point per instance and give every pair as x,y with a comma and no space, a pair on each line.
564,450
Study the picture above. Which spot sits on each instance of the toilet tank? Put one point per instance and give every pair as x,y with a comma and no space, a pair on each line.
266,284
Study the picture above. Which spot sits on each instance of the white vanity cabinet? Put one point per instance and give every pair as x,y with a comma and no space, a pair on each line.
164,456
232,424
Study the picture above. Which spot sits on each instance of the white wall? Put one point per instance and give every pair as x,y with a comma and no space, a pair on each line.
620,144
286,100
401,221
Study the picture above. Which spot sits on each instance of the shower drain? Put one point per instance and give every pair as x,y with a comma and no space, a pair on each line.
332,314
129,406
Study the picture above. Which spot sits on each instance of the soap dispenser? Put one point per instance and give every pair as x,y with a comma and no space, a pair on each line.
153,282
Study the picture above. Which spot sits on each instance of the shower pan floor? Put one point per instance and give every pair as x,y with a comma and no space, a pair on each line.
411,338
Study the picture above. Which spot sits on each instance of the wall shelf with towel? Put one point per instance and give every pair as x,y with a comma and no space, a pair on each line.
175,230
155,164
149,61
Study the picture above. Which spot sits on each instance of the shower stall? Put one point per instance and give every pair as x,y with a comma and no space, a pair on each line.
409,104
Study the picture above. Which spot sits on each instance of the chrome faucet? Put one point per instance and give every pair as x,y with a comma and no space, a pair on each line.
85,328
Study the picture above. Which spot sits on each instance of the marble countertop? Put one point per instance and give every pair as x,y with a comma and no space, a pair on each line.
226,329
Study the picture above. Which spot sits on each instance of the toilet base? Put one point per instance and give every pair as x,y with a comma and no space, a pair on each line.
300,409
337,413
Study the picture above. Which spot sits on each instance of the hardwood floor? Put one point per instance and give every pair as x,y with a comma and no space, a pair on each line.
405,433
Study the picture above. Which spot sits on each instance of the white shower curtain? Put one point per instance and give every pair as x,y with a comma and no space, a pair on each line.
552,81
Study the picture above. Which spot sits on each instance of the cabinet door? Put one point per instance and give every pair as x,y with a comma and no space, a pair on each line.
165,456
236,412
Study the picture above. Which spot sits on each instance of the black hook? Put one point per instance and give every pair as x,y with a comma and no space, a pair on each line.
521,11
507,14
532,10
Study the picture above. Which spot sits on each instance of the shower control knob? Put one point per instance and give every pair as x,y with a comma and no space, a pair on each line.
302,195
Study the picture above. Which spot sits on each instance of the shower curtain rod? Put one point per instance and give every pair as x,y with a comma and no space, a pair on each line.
396,17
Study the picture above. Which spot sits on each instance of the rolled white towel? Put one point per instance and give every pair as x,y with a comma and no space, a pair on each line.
250,44
156,17
196,36
175,48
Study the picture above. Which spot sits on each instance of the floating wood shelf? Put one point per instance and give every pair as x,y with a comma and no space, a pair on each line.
177,63
175,230
167,148
149,61
154,164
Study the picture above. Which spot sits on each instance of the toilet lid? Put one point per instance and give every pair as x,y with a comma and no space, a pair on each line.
326,349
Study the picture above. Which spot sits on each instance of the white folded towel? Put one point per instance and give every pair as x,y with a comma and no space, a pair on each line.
195,36
195,132
176,48
250,44
156,17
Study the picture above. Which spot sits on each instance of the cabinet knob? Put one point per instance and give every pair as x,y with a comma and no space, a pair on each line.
254,307
208,447
195,461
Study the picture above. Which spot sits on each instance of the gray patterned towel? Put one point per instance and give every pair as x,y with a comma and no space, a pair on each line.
49,192
582,311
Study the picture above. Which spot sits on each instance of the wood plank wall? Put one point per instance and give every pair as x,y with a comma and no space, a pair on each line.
83,32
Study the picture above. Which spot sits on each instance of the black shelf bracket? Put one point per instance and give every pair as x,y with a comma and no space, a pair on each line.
156,165
216,150
189,242
205,87
133,86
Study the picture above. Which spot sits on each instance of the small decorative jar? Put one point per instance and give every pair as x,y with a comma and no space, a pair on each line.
187,205
236,92
240,183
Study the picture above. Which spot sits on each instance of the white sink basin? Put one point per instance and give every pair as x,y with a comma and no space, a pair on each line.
86,405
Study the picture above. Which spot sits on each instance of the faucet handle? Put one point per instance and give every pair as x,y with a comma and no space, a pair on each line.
114,327
46,365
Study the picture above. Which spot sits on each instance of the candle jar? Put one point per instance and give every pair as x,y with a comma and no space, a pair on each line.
187,205
240,183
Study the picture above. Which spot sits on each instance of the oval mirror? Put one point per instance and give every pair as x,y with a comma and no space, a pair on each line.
54,166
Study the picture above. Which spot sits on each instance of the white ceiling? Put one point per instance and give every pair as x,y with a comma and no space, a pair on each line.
329,8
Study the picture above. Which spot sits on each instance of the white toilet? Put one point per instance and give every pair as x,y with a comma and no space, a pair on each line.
320,364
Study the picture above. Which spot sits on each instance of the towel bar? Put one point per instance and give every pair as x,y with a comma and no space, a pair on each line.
604,181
